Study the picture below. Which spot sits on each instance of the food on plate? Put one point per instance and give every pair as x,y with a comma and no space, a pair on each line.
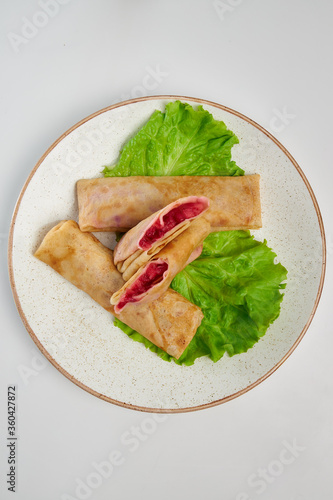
120,203
233,279
148,237
169,322
154,278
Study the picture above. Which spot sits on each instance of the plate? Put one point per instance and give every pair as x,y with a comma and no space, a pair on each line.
78,336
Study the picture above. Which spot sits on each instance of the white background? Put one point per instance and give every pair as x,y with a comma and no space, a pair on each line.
260,57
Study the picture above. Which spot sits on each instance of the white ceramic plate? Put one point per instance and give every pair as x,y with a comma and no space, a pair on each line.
78,336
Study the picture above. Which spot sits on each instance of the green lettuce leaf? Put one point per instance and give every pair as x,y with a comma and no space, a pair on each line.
237,285
181,141
235,280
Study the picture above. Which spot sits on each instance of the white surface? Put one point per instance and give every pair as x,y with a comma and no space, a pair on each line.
81,337
263,59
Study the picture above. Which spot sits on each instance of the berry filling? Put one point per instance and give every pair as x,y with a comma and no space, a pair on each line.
170,220
152,275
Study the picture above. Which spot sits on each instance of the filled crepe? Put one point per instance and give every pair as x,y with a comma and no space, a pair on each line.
170,322
153,279
120,203
148,237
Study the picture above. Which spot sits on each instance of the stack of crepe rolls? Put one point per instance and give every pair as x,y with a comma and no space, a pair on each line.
119,203
170,321
154,278
167,219
152,234
159,247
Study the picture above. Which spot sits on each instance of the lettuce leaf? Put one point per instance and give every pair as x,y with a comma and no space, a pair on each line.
237,285
235,280
181,141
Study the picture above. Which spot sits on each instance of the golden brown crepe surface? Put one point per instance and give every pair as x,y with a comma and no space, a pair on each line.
169,322
119,203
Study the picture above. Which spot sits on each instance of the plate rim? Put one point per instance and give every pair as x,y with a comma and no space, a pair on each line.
47,354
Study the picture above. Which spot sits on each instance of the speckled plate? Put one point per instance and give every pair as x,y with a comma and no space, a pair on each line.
78,336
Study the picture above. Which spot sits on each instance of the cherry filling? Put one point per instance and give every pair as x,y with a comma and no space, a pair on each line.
169,221
152,275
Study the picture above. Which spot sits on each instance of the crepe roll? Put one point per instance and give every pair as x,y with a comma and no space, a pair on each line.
120,203
154,278
148,237
170,322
